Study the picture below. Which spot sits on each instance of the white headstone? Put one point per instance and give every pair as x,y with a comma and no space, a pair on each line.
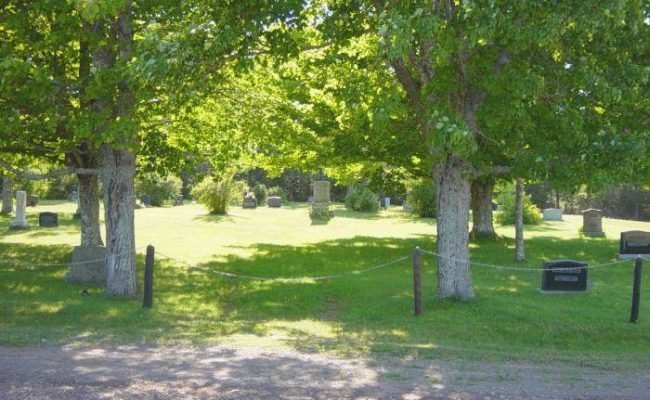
20,221
552,214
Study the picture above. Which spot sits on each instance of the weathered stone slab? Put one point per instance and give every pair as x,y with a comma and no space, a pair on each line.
88,266
552,214
249,201
20,220
592,222
48,219
321,192
274,201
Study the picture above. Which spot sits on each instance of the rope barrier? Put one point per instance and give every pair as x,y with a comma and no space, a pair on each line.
280,279
510,268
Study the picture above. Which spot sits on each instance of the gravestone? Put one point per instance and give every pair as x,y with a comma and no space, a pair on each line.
73,196
145,200
88,266
385,203
48,219
321,192
20,220
592,222
564,276
274,201
249,201
633,244
178,200
32,200
552,214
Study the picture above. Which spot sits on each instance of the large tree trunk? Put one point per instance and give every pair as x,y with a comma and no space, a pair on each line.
519,221
89,210
7,195
482,225
453,190
119,204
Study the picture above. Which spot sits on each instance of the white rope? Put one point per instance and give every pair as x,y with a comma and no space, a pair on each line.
510,268
280,279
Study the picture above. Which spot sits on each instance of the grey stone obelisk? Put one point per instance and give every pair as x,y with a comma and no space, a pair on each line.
20,221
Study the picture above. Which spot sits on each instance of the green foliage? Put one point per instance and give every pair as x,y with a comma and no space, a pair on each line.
239,190
160,190
217,193
507,199
321,214
260,192
362,199
422,197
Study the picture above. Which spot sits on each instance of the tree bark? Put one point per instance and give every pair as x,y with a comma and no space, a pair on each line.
453,200
519,221
7,195
89,210
482,225
119,204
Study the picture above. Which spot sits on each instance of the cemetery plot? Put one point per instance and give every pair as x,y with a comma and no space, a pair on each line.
564,276
634,243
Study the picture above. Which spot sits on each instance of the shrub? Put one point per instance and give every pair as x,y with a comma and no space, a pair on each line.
216,193
321,214
260,192
277,191
159,190
239,190
362,199
507,199
422,198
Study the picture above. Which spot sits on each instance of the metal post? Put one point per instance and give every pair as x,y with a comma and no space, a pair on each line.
147,300
417,282
636,290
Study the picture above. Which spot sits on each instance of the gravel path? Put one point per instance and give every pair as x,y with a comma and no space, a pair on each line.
222,372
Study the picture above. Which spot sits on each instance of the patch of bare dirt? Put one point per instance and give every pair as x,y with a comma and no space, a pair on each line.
222,372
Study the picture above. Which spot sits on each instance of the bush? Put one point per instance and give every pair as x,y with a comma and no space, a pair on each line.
277,191
507,199
422,198
362,199
239,190
160,190
217,193
260,193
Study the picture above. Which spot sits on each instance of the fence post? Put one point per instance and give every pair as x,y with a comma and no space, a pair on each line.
147,300
417,282
636,290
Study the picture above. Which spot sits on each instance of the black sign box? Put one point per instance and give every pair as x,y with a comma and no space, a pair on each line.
564,275
48,219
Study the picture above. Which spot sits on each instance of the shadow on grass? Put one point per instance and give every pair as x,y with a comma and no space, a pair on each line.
350,312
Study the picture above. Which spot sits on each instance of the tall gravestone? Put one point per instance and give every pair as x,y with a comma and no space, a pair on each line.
20,220
320,207
592,222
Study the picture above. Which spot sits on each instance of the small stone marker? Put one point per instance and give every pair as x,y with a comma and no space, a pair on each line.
145,199
249,201
20,220
592,222
178,200
552,214
274,201
564,276
88,266
32,200
633,244
48,219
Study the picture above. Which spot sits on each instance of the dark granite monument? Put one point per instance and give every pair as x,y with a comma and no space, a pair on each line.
633,244
274,201
564,276
249,201
48,219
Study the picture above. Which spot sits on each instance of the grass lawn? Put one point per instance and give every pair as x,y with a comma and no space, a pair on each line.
355,314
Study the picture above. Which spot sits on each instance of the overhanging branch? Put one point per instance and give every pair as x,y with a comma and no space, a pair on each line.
51,174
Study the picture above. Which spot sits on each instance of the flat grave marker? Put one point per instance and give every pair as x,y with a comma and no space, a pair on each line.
48,219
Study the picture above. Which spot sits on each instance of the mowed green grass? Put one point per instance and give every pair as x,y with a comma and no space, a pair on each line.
354,314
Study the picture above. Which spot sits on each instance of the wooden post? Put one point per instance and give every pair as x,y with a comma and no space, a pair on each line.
147,300
636,290
417,282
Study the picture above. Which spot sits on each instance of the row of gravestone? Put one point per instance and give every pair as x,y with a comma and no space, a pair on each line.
251,202
592,220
